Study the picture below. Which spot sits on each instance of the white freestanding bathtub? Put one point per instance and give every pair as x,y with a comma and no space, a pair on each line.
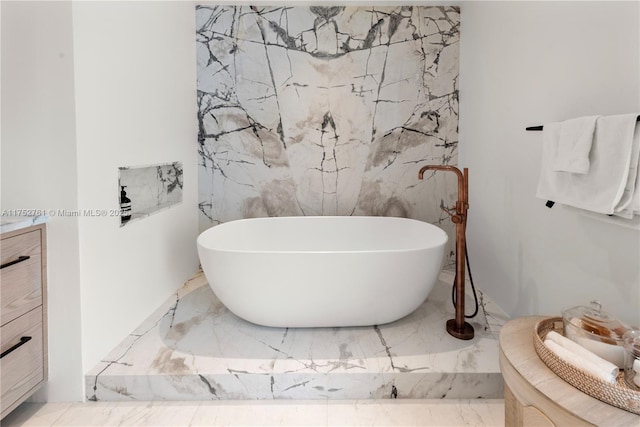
322,271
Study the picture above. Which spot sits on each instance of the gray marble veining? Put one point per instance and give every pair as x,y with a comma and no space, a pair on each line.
193,348
326,110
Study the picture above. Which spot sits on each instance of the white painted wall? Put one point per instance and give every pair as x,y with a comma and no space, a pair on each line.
88,87
135,84
39,164
528,63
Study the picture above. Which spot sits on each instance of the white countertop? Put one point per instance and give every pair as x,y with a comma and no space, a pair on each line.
12,223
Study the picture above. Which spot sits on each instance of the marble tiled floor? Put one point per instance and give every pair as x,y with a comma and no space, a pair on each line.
406,412
193,348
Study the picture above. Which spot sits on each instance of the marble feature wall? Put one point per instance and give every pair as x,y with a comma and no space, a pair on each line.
151,188
326,110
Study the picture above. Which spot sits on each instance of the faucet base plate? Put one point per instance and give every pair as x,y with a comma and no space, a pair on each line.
466,333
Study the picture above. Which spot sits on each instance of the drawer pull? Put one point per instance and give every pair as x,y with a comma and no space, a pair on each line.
23,340
20,259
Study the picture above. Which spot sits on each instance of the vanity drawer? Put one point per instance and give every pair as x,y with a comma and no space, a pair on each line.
22,370
21,278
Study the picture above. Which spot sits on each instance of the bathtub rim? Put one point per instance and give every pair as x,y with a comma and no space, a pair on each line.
442,241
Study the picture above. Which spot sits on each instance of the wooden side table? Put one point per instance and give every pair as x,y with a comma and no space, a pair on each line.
535,396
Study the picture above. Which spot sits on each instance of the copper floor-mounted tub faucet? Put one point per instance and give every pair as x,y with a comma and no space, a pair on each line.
458,327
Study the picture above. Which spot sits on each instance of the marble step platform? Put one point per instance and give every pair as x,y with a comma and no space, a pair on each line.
193,348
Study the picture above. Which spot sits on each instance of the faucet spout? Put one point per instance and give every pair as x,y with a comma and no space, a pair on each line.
463,185
458,327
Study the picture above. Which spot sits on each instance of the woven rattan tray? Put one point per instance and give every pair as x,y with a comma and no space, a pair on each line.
618,394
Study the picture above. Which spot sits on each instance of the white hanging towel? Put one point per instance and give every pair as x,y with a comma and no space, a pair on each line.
635,200
574,144
629,203
602,187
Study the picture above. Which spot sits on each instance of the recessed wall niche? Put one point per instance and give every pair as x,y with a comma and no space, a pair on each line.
146,190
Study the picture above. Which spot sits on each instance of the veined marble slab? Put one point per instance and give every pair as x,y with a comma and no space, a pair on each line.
326,110
12,223
193,348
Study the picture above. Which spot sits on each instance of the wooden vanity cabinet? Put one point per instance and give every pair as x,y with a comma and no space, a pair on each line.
23,315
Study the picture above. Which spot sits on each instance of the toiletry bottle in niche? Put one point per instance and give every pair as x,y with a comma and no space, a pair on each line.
125,206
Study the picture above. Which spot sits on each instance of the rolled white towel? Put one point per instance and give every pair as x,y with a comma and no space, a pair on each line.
580,350
604,371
